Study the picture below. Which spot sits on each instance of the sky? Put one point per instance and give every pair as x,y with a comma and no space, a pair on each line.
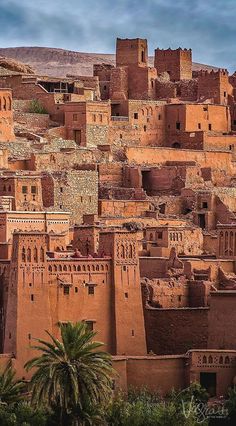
206,26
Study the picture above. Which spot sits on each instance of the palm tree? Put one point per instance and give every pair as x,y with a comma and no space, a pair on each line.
73,373
10,388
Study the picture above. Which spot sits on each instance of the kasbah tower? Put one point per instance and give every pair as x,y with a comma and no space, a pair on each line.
117,209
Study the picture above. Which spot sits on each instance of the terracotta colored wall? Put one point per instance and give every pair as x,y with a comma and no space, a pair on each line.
175,331
6,116
221,320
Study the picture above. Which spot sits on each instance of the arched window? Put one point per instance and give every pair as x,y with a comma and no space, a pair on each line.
210,360
35,254
23,256
226,360
50,268
28,255
97,267
151,237
42,254
60,268
78,268
130,251
122,251
221,360
55,268
64,268
204,359
102,267
4,107
9,103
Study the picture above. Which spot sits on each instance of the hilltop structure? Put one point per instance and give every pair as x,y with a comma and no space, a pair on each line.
117,208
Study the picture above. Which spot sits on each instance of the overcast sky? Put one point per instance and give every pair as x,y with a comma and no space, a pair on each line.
207,26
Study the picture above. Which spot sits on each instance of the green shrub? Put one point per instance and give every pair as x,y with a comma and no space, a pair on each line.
36,107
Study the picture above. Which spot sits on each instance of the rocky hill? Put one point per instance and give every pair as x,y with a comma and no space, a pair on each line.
60,62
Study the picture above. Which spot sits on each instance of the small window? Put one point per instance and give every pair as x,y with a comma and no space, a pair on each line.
209,126
179,298
61,189
204,205
121,136
225,94
76,289
29,336
159,235
136,116
159,116
33,190
152,83
178,125
105,87
89,325
100,117
94,118
132,333
90,289
24,189
199,125
60,206
145,128
75,117
32,297
66,289
126,295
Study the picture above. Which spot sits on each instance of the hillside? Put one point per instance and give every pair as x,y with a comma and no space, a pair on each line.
59,62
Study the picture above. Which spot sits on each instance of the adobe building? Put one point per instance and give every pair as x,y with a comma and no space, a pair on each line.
87,122
6,116
177,63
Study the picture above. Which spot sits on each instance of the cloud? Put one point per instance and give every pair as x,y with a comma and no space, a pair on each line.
207,26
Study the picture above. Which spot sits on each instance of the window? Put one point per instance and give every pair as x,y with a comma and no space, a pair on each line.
32,297
126,295
89,325
152,83
90,289
178,125
199,125
209,126
100,117
76,289
29,336
225,94
204,205
143,56
94,118
105,87
24,189
159,235
61,189
132,333
136,116
75,117
66,289
145,128
159,116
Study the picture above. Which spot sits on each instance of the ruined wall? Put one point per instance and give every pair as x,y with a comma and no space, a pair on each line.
74,191
123,208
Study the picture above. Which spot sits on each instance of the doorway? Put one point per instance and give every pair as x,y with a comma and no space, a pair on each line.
208,381
202,221
77,137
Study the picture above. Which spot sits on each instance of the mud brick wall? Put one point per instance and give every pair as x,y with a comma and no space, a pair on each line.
175,331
